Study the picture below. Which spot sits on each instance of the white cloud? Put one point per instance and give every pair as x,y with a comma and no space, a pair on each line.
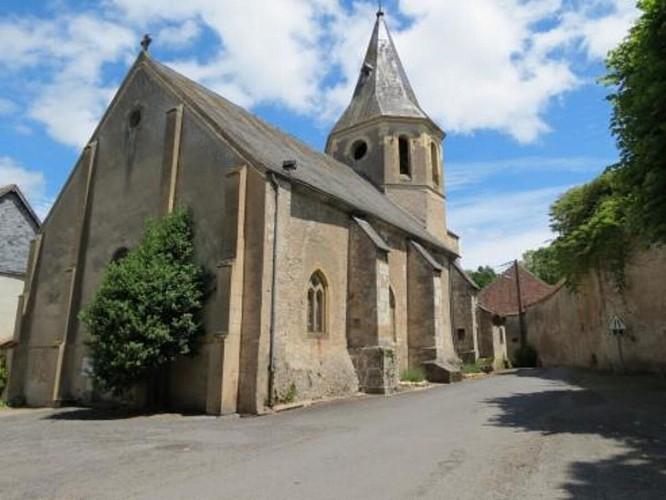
271,53
464,174
31,182
179,35
495,228
497,247
486,64
71,52
601,33
490,64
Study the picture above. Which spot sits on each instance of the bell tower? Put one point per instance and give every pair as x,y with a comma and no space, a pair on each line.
387,138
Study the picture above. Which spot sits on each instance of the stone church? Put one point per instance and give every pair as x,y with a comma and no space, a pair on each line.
332,271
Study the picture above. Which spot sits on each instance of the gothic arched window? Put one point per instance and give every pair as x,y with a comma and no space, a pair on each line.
317,303
403,152
435,163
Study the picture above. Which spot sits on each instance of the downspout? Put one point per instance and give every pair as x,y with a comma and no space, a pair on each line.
452,314
271,361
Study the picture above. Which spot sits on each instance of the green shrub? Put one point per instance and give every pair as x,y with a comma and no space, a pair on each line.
412,375
470,368
486,364
483,365
525,357
147,309
17,402
291,394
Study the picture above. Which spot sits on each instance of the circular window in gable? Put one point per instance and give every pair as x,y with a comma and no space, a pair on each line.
359,149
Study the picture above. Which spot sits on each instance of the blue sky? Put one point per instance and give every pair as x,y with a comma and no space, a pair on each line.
513,82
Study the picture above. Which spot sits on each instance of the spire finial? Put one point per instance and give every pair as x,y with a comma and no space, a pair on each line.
145,42
380,11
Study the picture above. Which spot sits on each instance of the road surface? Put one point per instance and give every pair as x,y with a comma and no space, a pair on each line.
529,434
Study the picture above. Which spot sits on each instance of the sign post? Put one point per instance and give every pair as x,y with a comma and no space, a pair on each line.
618,329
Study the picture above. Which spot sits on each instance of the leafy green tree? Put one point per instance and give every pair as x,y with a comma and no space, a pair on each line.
147,309
601,222
483,276
542,262
637,72
591,222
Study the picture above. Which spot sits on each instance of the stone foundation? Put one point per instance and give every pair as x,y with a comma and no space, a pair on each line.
441,372
376,369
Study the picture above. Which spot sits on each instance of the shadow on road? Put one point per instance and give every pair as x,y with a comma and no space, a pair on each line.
96,414
91,414
628,409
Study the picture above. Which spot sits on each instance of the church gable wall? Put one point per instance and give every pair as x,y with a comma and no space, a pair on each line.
46,296
133,180
131,176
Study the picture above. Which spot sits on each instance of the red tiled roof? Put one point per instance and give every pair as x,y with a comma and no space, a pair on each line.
501,296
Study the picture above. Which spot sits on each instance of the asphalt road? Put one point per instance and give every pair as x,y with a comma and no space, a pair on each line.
532,434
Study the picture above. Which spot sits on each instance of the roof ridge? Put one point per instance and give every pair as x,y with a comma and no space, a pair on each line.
266,145
532,275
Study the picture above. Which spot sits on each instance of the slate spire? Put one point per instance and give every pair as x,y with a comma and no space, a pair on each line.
383,88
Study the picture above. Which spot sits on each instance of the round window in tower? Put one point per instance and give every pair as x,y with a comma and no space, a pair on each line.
359,149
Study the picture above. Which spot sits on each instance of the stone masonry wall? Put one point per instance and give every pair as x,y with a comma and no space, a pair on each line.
463,321
312,236
572,328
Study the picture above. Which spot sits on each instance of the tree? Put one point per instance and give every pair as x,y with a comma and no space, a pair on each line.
483,276
637,71
542,262
147,309
591,222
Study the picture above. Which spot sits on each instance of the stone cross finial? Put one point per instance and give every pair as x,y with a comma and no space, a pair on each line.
380,11
145,43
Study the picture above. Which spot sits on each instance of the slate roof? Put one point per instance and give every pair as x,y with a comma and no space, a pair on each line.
429,258
372,234
501,296
383,88
18,226
266,146
13,188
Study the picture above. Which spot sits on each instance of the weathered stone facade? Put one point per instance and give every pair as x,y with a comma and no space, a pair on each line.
492,337
323,284
464,321
571,328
